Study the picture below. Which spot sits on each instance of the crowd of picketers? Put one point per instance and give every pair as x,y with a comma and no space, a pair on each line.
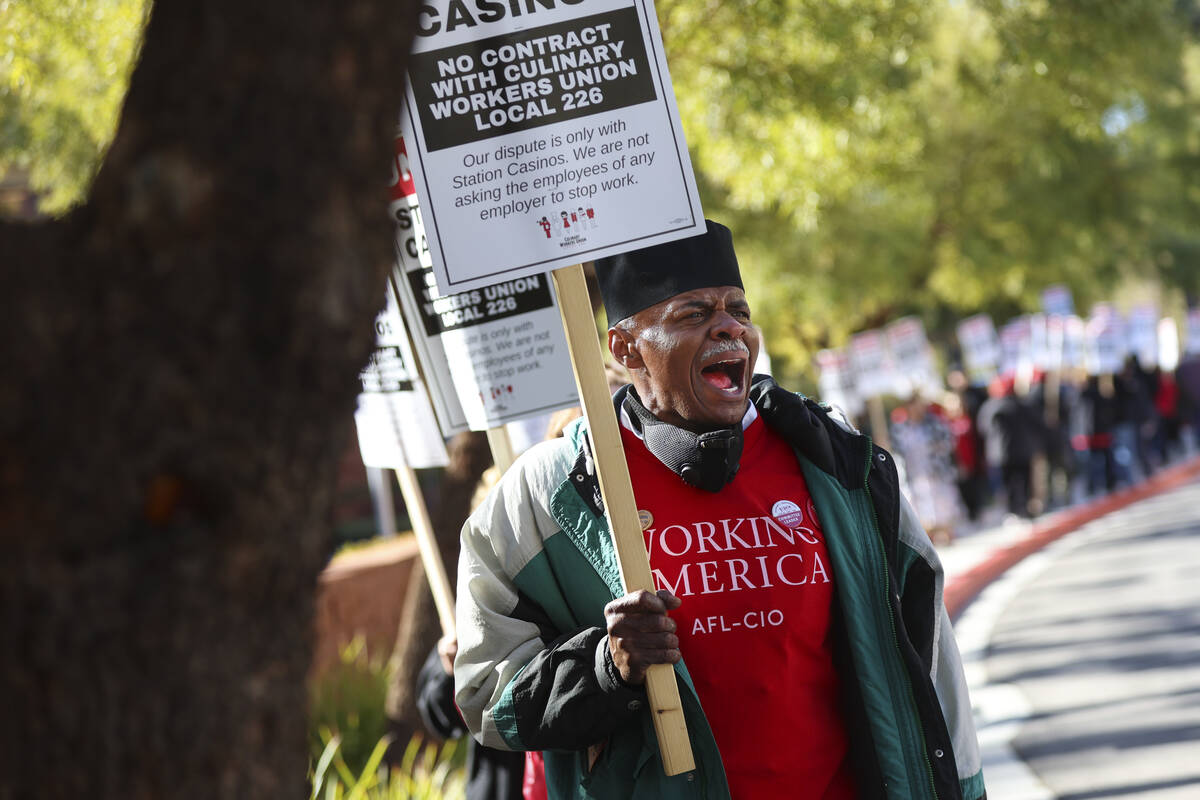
1031,442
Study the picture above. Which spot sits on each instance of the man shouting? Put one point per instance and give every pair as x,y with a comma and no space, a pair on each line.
798,598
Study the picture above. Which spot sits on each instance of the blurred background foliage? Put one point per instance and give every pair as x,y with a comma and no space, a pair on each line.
884,157
874,157
64,69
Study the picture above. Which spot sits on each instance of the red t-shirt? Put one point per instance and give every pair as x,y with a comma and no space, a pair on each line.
750,565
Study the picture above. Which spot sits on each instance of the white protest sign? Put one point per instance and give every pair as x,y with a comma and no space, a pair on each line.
543,135
871,363
1016,345
1105,345
1056,342
1057,301
980,348
492,355
913,358
1142,334
1073,346
396,426
835,381
1192,345
1039,348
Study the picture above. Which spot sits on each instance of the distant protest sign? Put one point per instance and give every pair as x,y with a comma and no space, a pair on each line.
835,381
396,426
1057,301
543,135
913,357
980,348
871,363
1016,345
492,355
1105,346
1142,334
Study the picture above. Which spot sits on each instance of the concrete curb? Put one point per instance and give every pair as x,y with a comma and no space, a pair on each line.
964,588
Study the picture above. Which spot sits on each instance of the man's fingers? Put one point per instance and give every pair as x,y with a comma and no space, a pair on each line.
670,601
639,602
645,623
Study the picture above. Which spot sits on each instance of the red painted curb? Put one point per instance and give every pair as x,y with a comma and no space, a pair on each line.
961,590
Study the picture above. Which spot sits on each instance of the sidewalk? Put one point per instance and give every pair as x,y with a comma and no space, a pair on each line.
977,558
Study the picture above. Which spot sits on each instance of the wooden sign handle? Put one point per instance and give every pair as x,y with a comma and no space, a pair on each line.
615,485
431,556
500,444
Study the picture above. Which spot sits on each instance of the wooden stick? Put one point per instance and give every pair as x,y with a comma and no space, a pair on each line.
502,450
879,424
431,556
613,472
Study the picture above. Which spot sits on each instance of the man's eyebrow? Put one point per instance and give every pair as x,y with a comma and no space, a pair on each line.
684,305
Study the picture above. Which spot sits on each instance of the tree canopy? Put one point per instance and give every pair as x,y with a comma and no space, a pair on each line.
63,76
883,157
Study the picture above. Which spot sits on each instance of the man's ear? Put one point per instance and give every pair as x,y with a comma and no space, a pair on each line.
623,348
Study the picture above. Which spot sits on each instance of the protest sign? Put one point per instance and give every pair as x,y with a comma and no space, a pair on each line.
835,381
543,135
1056,343
491,355
913,358
1074,337
396,425
1016,345
871,363
1105,343
1039,350
1057,301
980,348
1142,334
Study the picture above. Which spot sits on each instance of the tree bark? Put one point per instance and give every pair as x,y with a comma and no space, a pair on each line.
177,379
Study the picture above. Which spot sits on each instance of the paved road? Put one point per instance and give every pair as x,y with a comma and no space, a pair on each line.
1085,661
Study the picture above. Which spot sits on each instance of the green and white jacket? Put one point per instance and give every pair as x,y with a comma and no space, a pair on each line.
534,672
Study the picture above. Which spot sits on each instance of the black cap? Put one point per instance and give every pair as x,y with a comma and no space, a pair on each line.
631,282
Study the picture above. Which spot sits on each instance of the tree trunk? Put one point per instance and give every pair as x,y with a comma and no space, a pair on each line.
419,628
178,379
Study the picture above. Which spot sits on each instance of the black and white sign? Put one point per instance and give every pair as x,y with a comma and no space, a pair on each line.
492,355
913,358
835,381
872,365
396,426
543,134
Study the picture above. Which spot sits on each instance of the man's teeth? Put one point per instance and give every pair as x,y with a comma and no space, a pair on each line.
721,377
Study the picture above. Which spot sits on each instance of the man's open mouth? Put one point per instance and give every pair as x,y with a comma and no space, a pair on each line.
726,375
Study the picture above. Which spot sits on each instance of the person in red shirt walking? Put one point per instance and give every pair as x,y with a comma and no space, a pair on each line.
794,581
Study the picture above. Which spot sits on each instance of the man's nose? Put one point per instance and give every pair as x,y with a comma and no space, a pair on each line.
728,326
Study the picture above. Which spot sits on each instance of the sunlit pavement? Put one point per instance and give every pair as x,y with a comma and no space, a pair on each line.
1082,645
